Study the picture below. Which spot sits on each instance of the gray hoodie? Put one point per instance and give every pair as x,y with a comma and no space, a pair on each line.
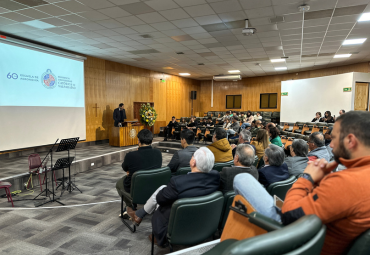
296,165
320,152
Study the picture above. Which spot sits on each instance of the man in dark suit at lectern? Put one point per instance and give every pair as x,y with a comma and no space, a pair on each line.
119,115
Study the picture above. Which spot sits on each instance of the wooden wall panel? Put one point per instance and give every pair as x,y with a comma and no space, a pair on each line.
251,88
109,83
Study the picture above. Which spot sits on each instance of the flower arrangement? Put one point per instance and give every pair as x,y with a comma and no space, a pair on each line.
148,115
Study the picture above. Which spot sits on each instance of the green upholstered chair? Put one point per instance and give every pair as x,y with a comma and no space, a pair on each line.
228,201
255,161
219,166
183,170
261,163
305,237
143,185
192,220
361,246
281,188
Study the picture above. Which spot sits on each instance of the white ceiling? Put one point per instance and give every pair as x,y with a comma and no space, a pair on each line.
206,31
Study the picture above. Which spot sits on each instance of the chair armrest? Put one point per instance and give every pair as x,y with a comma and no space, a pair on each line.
264,222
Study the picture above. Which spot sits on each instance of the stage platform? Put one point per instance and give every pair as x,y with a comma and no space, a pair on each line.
14,166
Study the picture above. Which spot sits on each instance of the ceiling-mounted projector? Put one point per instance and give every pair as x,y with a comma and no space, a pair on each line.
248,30
232,77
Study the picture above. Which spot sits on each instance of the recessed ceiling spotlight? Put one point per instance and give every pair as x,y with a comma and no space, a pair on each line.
234,71
277,60
364,17
342,55
354,41
280,68
184,74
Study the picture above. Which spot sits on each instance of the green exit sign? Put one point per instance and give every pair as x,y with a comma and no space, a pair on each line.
347,89
284,93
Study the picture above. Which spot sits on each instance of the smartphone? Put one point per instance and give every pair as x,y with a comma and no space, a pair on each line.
278,202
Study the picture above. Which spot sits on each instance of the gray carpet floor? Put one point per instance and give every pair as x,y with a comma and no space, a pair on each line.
86,229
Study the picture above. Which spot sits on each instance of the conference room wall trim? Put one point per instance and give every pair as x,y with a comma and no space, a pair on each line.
251,88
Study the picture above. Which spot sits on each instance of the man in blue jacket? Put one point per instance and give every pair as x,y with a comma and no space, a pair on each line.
275,169
201,181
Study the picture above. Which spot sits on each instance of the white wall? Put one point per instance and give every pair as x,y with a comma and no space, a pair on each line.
308,96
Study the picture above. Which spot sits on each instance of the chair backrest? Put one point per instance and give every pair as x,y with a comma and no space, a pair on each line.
361,245
34,161
219,166
256,161
281,188
192,220
261,163
304,236
228,200
183,170
145,182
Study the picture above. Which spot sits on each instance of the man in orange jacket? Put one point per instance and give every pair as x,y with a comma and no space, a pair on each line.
340,199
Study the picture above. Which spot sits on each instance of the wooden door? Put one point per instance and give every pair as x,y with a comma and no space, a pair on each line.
361,96
137,106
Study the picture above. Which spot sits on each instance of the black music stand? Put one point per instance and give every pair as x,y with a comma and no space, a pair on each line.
60,164
67,145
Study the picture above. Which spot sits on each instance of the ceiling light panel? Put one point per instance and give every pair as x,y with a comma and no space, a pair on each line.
354,41
184,74
342,55
364,17
234,71
277,60
280,68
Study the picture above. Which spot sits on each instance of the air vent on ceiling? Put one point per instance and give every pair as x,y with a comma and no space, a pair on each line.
179,53
200,64
277,19
285,57
146,36
234,77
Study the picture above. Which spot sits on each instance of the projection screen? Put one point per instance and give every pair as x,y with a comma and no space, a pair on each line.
42,97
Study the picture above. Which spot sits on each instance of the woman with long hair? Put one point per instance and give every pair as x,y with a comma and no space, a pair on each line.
183,121
261,143
249,117
328,118
274,136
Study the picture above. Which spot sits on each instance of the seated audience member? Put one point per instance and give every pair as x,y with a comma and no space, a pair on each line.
250,117
145,158
203,122
243,163
201,181
209,122
327,137
341,199
242,115
182,158
261,143
234,114
226,124
318,118
297,163
328,118
274,136
234,127
340,113
316,143
275,169
192,124
168,130
244,138
258,116
220,146
245,124
257,127
270,124
183,121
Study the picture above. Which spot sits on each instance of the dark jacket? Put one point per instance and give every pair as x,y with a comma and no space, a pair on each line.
228,173
144,158
234,150
182,158
296,165
117,116
174,124
181,186
315,119
271,174
254,131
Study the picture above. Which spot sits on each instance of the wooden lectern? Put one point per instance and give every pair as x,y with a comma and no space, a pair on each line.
126,135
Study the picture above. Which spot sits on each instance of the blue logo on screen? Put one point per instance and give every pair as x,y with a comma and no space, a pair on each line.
14,76
49,79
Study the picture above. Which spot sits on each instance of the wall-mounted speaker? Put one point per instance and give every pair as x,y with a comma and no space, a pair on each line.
193,95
